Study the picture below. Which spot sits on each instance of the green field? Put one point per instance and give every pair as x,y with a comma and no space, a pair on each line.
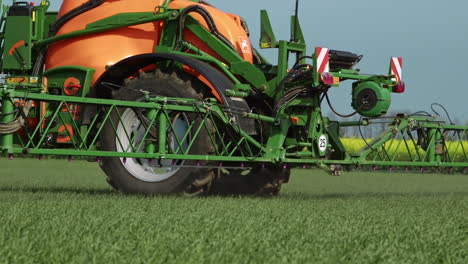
61,212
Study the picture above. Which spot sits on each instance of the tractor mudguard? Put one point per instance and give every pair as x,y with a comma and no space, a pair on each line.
117,73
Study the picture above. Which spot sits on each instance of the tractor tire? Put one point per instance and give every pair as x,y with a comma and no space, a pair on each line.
260,181
140,176
148,177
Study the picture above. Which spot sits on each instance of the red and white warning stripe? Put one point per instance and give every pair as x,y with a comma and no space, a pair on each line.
323,59
396,69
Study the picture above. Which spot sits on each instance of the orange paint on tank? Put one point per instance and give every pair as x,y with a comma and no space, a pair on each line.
100,50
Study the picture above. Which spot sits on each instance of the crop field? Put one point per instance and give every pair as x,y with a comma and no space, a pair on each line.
456,150
63,212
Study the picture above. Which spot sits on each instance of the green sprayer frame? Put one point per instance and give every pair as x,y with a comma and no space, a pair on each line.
293,136
383,151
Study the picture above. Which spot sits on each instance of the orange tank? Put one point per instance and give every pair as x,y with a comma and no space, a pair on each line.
100,50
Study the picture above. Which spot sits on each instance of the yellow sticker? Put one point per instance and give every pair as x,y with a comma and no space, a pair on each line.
265,45
17,80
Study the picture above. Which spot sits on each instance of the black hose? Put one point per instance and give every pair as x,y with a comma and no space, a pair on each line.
205,3
302,58
209,20
290,77
256,57
443,108
58,24
72,14
421,113
245,26
336,112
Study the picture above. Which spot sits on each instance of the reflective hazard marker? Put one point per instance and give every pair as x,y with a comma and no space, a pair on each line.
395,69
323,59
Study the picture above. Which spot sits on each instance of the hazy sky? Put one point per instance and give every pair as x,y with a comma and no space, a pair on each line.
431,36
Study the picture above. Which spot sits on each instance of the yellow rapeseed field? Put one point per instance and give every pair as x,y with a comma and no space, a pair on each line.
456,150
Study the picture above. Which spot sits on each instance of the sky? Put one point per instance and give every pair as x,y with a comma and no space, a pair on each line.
431,36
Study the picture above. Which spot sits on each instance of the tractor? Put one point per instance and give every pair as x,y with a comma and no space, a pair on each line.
170,97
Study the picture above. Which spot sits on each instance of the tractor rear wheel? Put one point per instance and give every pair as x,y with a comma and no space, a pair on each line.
149,177
259,180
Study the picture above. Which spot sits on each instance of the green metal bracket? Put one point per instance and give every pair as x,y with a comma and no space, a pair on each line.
237,65
17,52
58,76
297,36
280,147
119,19
267,39
167,41
110,23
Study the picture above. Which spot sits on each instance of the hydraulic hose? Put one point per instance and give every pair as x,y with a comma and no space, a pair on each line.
61,21
209,20
205,3
211,24
13,126
54,28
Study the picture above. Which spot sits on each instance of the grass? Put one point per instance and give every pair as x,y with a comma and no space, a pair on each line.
60,212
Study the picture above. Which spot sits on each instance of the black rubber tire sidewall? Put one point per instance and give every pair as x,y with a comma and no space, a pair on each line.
170,85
